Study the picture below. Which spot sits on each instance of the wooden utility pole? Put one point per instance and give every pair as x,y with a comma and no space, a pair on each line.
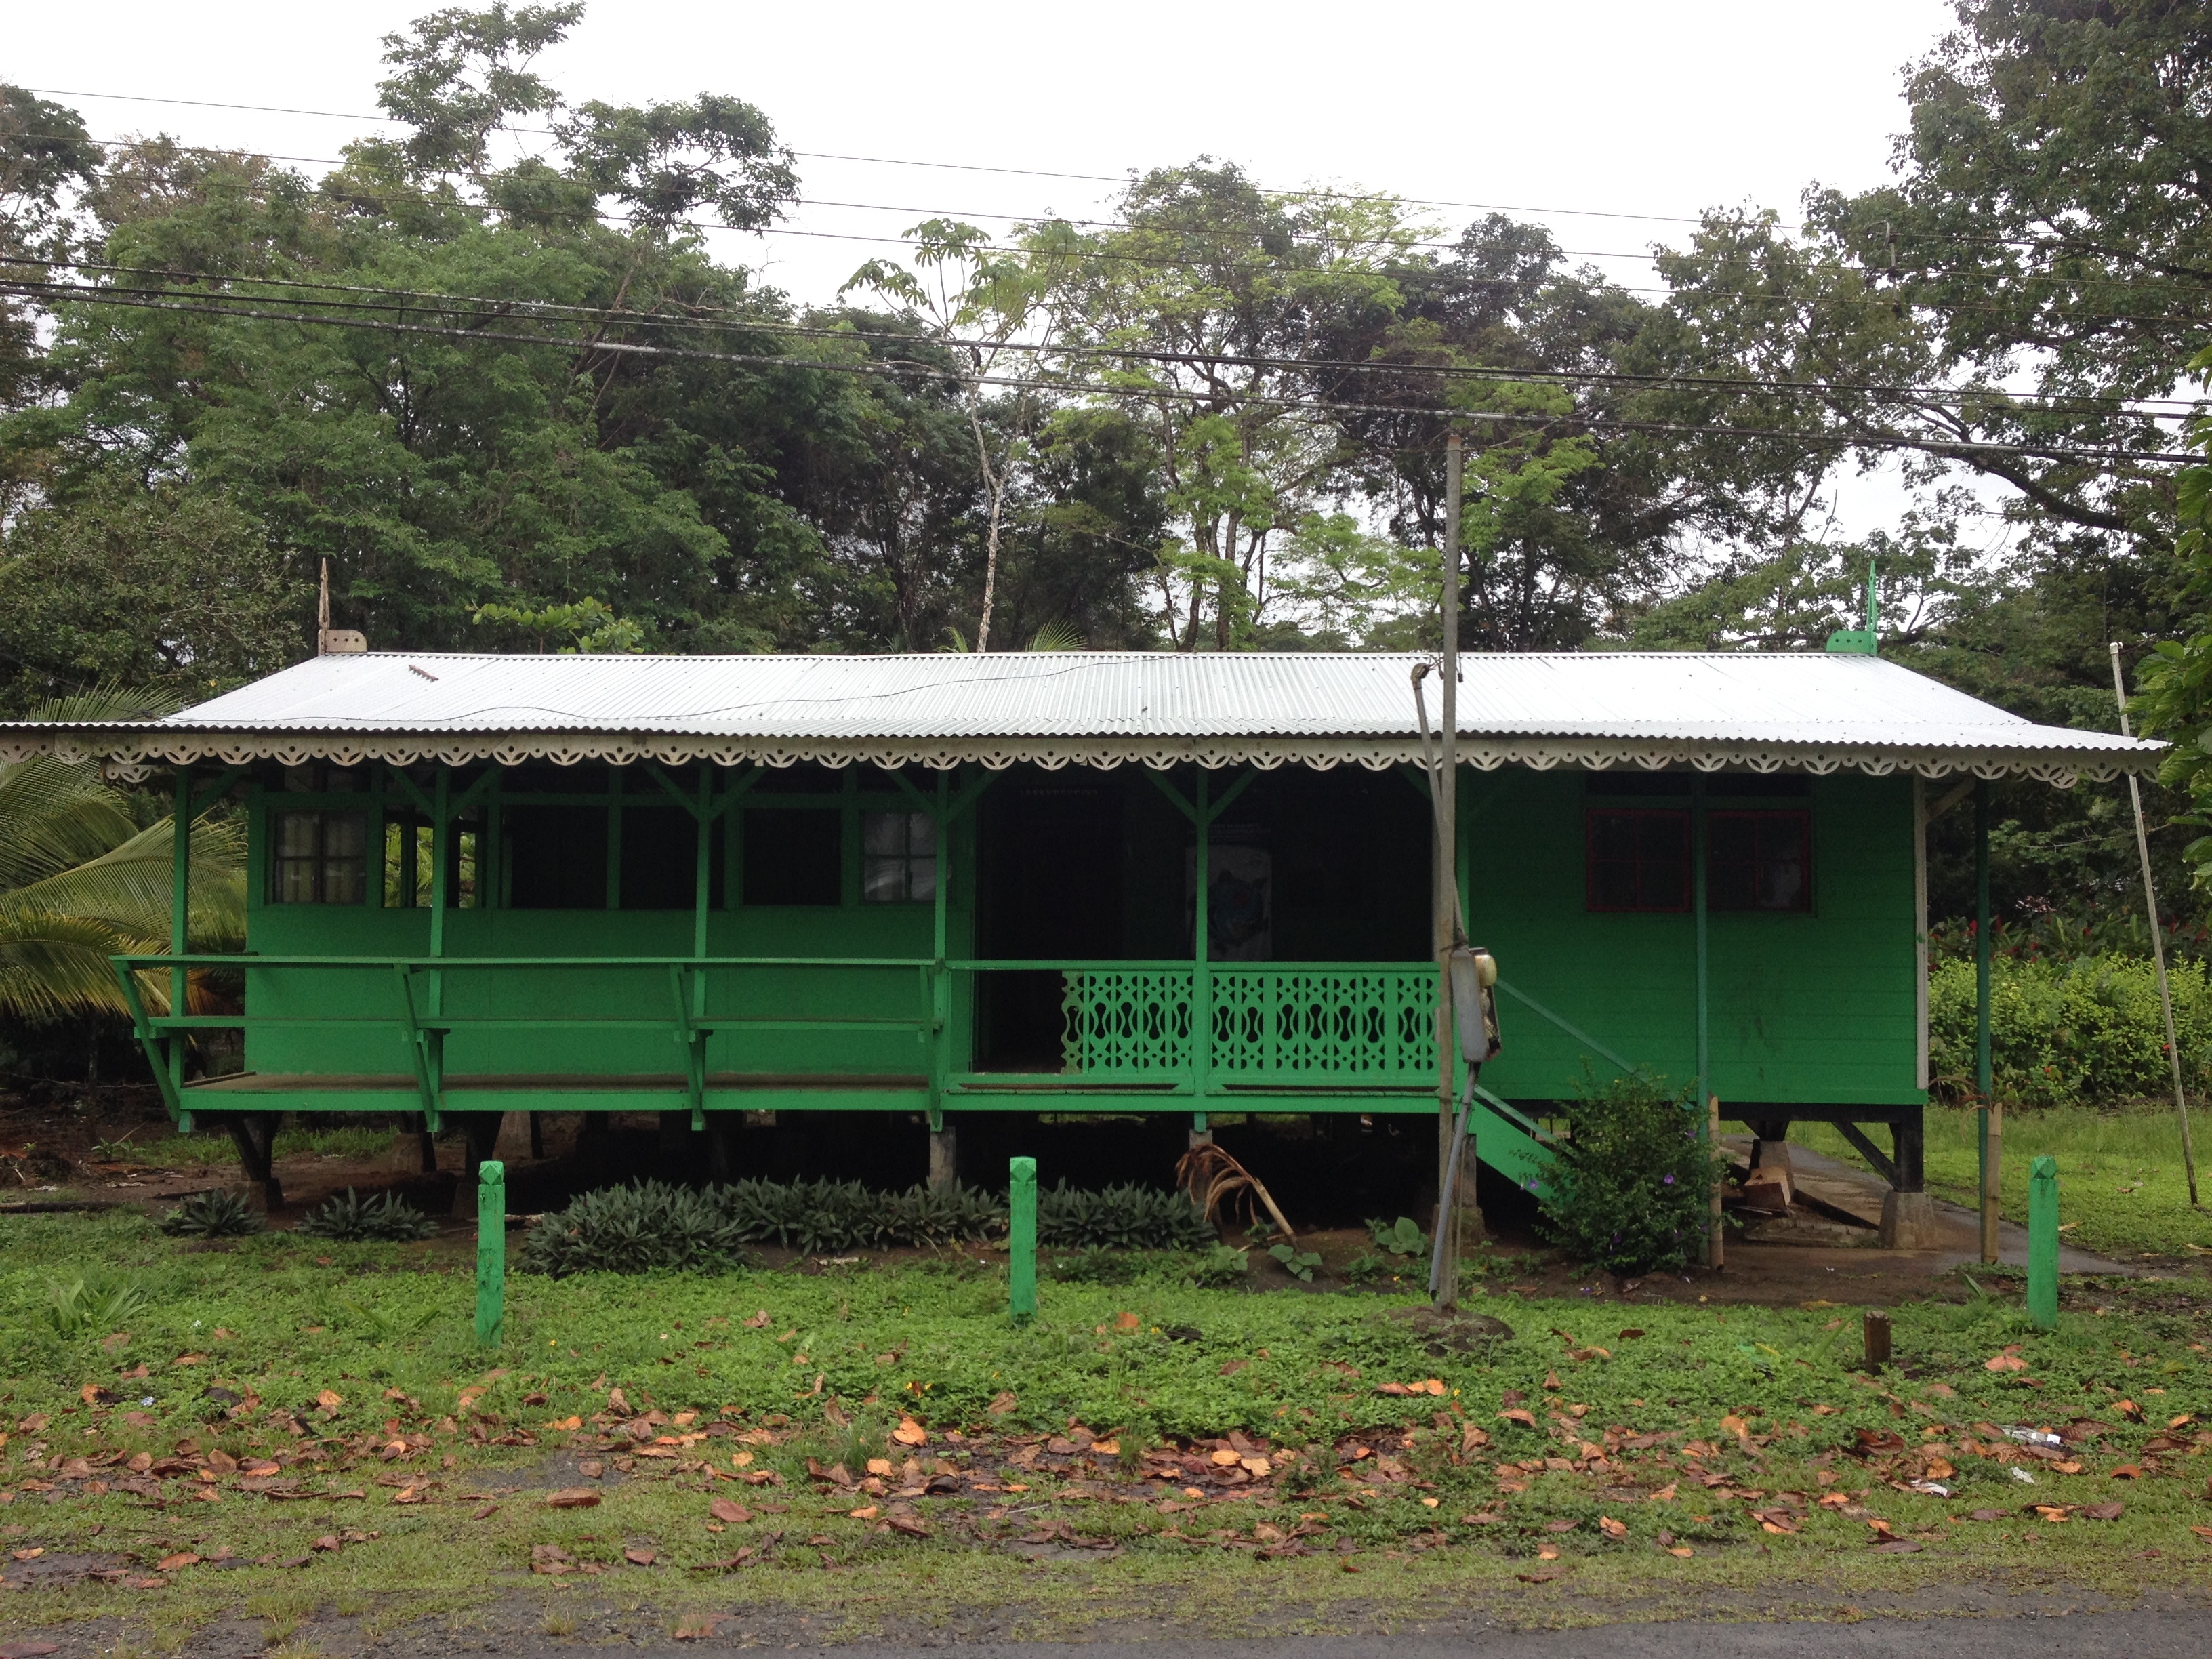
1445,887
2157,939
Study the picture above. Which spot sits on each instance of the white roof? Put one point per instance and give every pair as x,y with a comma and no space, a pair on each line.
1798,710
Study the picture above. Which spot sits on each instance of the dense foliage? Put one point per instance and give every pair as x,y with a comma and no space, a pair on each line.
1631,1185
652,1226
2084,1031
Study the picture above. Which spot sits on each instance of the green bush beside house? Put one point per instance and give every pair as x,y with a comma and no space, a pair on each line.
2084,1032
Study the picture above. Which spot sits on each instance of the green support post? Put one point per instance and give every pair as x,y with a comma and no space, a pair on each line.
180,922
491,1251
1201,976
2042,1242
1021,1238
1990,1124
1709,1249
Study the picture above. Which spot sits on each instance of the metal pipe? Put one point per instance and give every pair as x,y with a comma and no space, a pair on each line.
1444,888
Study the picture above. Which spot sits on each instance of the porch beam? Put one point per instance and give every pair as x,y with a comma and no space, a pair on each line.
1883,1166
203,798
1200,812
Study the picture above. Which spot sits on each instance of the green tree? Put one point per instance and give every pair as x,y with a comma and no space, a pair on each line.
168,588
997,313
1227,290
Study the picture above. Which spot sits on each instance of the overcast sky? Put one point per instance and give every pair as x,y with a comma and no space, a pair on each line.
1605,108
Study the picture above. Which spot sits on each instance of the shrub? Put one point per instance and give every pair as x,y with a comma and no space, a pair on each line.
815,1216
2086,1031
1129,1217
1220,1267
348,1215
1403,1237
633,1230
213,1215
651,1224
1631,1186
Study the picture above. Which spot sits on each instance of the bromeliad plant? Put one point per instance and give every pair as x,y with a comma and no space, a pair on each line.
653,1225
213,1215
1630,1188
385,1216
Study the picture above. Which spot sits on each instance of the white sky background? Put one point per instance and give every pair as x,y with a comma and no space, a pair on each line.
1609,106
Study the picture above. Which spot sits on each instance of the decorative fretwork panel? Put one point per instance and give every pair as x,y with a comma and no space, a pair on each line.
1321,1024
1283,1024
1136,1020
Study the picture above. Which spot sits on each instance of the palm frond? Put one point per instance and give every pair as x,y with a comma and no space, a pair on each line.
105,701
1056,637
131,885
55,965
55,814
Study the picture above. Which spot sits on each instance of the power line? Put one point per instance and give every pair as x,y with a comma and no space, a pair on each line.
2140,408
1844,439
1304,237
384,194
1918,302
889,161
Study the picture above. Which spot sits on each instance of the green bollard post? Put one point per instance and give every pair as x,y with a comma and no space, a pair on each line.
1021,1236
491,1251
2043,1244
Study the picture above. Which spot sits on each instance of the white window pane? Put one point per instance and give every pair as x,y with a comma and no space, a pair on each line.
921,833
882,834
922,878
883,881
345,834
295,835
343,881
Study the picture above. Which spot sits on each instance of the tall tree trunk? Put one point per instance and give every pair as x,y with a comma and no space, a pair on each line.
994,487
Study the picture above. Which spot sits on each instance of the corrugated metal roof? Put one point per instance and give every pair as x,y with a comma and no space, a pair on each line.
1799,697
1103,708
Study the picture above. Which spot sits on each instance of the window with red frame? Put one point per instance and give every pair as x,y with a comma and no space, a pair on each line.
1638,859
1759,861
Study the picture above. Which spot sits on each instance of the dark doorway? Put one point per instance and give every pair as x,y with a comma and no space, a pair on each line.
1048,868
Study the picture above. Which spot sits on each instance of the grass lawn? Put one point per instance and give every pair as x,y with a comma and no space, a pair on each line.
306,1434
2121,1189
162,1150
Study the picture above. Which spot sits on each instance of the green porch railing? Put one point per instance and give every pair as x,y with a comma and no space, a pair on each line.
1285,1037
425,1006
1295,1023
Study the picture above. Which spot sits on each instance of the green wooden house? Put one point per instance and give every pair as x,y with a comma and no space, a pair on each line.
1065,882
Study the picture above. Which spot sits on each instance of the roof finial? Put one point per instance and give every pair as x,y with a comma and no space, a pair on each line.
333,641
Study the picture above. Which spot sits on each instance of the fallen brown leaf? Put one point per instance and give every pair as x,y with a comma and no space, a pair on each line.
572,1497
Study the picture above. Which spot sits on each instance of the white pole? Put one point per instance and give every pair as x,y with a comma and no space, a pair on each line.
2157,939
